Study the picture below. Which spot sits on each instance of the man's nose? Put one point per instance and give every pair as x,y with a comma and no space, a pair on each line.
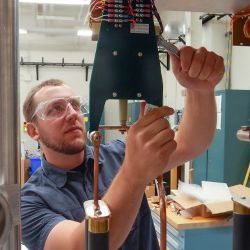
70,111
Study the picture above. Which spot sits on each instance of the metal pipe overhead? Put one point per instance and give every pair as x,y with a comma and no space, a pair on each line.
9,127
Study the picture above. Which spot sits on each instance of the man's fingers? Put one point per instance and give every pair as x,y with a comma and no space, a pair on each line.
142,109
155,114
186,57
199,58
200,64
166,150
161,138
218,70
208,66
153,129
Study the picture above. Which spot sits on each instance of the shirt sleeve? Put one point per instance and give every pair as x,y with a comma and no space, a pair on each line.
37,222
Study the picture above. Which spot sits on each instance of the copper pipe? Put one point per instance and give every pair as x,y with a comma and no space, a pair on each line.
122,129
163,214
96,140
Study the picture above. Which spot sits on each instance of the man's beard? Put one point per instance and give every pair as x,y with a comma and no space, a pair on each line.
64,148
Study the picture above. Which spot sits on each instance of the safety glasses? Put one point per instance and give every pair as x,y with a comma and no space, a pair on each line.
57,107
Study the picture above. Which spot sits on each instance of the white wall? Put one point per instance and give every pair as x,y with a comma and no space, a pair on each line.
240,74
213,38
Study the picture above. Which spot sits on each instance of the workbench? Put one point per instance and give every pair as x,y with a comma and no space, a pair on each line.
196,233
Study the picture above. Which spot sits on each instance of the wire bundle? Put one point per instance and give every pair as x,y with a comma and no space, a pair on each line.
120,11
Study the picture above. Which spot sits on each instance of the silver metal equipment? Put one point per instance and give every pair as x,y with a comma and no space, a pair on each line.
241,229
243,134
9,127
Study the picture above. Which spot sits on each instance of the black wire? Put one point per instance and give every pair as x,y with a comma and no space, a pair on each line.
157,15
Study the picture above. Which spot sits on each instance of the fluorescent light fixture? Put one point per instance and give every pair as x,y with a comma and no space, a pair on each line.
183,29
55,18
85,32
167,28
68,2
23,31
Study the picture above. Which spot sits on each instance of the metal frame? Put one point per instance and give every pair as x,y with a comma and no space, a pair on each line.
9,127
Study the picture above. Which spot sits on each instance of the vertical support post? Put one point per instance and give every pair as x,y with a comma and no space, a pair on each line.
9,127
241,223
37,72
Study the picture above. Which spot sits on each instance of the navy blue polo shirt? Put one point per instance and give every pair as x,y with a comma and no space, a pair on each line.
52,195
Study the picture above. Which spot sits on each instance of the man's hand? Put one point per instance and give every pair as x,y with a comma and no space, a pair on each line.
149,144
198,70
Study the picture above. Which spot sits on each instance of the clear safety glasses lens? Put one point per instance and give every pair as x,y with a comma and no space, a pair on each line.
56,108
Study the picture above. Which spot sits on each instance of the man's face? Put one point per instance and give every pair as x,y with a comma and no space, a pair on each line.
65,134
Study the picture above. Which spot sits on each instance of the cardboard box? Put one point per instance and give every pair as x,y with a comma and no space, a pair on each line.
193,207
240,190
208,200
150,191
154,199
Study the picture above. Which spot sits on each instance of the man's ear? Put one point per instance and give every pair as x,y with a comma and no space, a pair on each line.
32,131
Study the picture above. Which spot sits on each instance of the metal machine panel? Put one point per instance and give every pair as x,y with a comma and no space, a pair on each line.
126,66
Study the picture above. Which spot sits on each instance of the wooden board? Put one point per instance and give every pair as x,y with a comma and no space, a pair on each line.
181,223
173,179
208,6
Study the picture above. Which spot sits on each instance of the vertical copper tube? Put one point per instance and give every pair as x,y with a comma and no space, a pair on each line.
163,214
96,140
96,175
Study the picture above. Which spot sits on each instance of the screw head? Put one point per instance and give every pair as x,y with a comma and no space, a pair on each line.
139,95
114,94
140,54
115,53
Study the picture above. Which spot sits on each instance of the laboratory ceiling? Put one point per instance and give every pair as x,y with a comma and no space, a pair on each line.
54,27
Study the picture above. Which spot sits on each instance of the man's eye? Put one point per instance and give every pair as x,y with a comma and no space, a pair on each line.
54,109
75,104
58,108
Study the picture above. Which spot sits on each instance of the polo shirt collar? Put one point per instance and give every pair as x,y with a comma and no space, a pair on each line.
59,176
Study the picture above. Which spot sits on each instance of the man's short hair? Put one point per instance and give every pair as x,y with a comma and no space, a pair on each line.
29,105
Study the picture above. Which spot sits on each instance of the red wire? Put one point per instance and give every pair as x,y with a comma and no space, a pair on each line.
131,13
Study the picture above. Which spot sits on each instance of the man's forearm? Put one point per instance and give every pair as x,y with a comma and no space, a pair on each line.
197,127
